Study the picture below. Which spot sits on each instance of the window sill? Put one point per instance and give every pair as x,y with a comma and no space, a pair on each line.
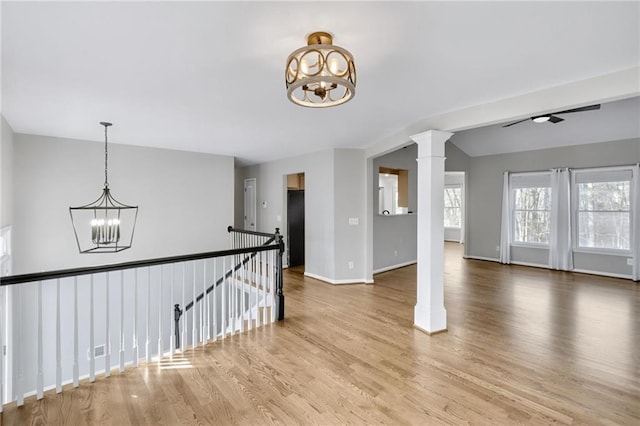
531,245
604,252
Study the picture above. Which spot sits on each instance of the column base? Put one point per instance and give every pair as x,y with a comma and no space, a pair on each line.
431,321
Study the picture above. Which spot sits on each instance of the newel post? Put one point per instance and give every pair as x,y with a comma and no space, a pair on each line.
279,282
177,313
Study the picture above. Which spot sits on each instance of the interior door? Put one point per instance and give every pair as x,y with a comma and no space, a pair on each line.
250,204
295,219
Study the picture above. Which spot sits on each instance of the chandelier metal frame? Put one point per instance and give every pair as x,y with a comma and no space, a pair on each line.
107,225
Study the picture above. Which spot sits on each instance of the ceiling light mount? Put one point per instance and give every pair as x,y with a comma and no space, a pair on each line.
320,74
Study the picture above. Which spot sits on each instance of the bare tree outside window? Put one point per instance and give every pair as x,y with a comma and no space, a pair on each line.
532,214
453,207
604,215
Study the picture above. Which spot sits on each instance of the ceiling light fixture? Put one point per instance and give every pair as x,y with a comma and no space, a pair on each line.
106,225
541,119
320,74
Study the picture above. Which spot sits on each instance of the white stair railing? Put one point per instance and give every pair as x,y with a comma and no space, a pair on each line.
60,324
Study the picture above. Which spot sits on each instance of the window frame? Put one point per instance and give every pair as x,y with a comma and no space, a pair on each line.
575,211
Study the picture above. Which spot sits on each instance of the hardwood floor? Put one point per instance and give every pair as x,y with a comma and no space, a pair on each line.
524,346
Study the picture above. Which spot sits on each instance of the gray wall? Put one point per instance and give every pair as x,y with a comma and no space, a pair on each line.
185,200
395,236
334,192
398,234
484,197
349,181
238,218
6,174
271,210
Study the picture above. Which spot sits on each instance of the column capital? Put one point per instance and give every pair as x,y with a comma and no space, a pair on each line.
431,143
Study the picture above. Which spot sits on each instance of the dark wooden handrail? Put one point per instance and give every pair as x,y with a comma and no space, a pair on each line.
62,273
244,231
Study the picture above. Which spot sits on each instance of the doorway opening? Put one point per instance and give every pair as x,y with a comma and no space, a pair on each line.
295,221
454,206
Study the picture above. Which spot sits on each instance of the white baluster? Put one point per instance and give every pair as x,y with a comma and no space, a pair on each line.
39,377
135,318
200,321
215,306
147,352
194,329
92,354
183,336
205,305
243,277
18,363
223,301
76,365
2,313
58,344
121,359
234,283
257,285
107,356
160,316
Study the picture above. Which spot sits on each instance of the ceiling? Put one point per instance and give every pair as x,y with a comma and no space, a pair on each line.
613,121
209,76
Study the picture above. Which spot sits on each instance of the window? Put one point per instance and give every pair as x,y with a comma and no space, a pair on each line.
603,209
532,213
452,207
531,206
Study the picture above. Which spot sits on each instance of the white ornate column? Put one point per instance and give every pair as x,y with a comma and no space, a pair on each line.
430,315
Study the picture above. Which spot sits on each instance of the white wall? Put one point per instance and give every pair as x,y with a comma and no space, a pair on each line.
185,200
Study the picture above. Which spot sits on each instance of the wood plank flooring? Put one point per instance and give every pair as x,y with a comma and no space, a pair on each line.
524,346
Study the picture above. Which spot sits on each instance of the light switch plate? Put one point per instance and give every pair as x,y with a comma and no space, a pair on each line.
354,221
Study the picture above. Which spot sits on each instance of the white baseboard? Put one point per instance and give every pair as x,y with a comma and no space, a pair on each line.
399,265
331,281
603,274
536,265
532,265
490,259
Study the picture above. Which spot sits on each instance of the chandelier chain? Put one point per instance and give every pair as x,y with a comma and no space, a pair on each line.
106,154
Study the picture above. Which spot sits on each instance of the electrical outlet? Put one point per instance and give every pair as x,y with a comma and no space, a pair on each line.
497,248
395,253
630,261
351,264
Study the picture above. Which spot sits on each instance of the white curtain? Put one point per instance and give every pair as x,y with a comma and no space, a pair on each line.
560,245
505,231
635,226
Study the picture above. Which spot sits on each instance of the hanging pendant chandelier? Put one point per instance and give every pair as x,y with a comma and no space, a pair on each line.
320,74
105,225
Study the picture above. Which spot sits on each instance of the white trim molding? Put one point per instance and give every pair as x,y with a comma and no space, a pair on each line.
396,266
337,282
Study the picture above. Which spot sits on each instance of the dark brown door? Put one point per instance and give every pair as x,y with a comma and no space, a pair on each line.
295,217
